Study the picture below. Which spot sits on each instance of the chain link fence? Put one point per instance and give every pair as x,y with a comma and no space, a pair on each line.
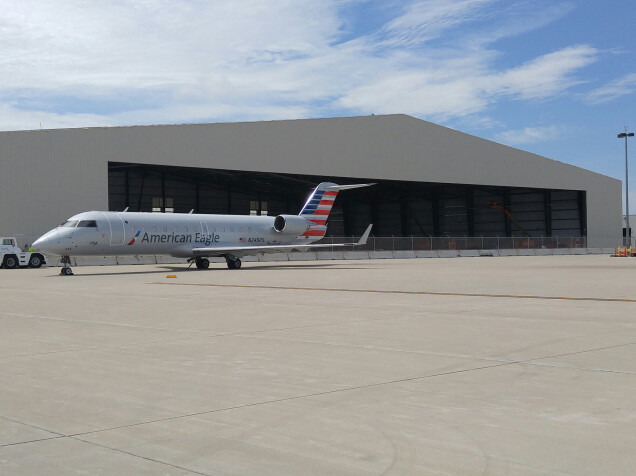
414,243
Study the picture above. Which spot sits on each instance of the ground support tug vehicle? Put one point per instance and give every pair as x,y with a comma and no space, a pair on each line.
11,256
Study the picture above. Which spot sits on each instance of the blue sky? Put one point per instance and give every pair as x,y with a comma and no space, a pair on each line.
553,77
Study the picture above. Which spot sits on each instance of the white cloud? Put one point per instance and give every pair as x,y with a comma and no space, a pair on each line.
613,90
154,43
455,88
427,19
528,135
12,119
544,76
122,62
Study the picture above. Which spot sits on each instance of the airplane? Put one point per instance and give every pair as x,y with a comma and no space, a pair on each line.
195,237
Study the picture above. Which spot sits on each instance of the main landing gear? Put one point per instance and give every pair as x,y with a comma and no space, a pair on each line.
66,269
203,263
233,262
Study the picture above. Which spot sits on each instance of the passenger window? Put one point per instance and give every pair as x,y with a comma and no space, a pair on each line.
7,242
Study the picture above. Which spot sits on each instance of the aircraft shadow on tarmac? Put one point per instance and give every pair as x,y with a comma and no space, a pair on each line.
212,269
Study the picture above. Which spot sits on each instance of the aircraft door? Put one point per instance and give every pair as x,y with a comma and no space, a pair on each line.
204,229
117,231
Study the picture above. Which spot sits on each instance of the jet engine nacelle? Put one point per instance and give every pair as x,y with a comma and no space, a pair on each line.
291,224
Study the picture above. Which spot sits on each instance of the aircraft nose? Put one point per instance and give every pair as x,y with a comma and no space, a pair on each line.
47,243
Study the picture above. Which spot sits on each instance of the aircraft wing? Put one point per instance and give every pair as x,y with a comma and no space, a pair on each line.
240,251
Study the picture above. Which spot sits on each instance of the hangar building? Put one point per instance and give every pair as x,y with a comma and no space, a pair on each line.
431,180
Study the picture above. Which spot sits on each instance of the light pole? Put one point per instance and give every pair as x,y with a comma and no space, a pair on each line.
628,230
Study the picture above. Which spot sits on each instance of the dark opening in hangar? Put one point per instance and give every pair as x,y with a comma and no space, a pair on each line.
396,208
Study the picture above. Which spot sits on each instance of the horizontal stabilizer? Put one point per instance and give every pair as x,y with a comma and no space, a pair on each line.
333,188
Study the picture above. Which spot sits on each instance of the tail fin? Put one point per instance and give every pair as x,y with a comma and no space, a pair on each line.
319,204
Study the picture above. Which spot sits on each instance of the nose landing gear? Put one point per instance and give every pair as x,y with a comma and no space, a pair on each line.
66,269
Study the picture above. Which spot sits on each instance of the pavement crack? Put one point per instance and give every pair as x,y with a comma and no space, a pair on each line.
393,291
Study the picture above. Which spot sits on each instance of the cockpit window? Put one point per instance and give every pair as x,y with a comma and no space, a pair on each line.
70,224
87,224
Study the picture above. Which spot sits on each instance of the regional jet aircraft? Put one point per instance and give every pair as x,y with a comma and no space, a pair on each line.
196,237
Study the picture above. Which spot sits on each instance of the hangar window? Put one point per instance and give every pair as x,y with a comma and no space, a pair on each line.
159,206
258,207
87,224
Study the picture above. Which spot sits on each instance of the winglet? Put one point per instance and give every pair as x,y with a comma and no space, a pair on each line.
365,236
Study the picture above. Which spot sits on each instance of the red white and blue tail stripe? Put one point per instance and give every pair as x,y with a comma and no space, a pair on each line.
319,206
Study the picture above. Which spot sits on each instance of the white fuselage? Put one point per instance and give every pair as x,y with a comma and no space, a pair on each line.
139,233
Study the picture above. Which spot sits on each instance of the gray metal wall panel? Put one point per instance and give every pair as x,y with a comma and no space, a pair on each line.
46,176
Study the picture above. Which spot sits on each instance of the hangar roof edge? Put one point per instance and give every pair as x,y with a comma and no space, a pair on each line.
265,123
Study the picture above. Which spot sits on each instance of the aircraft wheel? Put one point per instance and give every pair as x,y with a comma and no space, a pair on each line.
234,263
202,263
10,262
66,272
35,261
